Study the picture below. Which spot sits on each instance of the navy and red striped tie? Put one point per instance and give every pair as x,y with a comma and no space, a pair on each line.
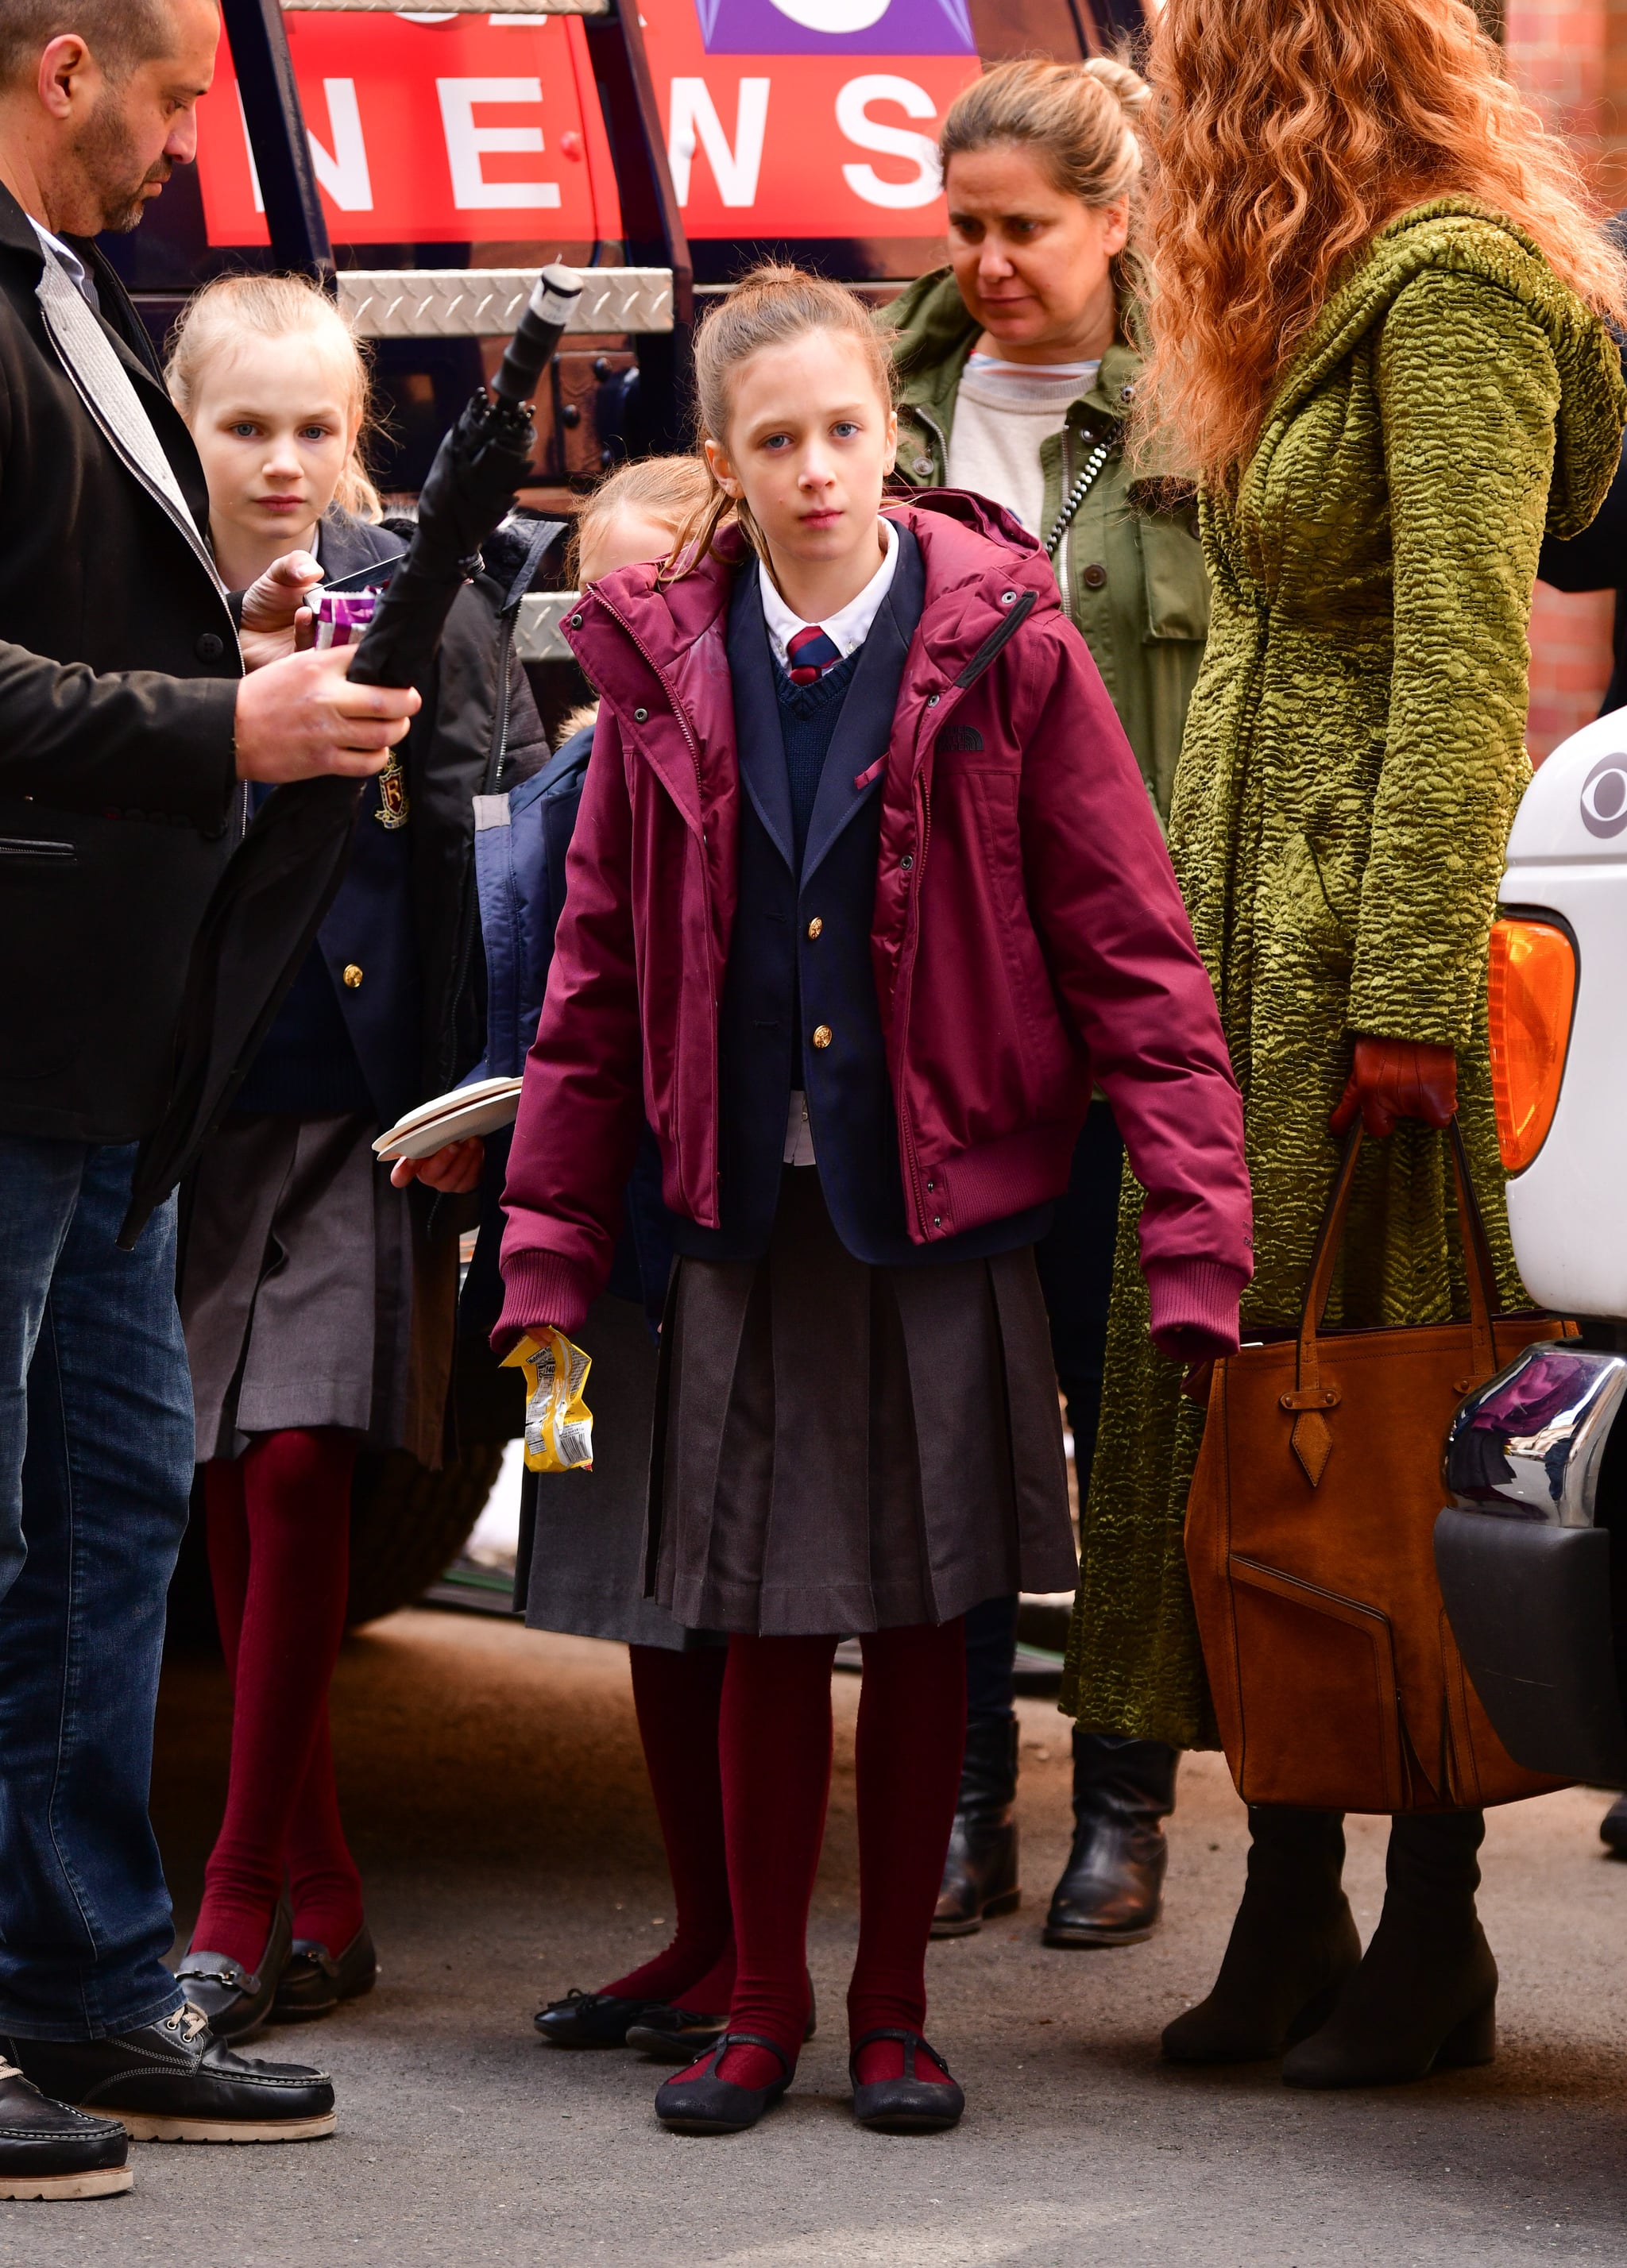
809,654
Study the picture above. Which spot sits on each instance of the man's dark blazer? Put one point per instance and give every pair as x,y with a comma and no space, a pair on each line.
118,669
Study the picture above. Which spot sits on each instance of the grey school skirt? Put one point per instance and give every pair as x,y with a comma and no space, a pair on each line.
840,1447
311,1294
587,1541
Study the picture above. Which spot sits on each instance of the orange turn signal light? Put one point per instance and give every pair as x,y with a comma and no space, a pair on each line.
1532,989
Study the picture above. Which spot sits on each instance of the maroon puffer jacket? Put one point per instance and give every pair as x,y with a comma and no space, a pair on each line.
1028,939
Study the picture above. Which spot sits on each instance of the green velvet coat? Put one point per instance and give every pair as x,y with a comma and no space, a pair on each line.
1353,756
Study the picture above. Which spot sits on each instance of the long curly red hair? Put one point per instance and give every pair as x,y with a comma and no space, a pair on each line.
1284,134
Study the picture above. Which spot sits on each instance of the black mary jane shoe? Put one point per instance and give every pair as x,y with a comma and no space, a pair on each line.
677,2034
594,2020
703,2103
906,2105
235,1999
313,1982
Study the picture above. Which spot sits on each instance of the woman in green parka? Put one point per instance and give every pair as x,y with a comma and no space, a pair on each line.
1017,375
1377,312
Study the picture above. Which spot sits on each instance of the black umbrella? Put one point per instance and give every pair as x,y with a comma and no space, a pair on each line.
280,881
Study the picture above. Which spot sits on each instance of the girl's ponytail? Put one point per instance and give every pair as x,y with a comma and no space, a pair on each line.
770,307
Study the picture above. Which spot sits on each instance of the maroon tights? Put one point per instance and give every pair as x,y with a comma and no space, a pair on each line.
279,1549
775,1746
677,1697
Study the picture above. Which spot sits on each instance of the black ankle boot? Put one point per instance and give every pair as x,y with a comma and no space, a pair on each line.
1113,1884
980,1871
1292,1944
1425,1993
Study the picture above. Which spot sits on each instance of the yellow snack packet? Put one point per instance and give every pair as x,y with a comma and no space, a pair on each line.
559,1426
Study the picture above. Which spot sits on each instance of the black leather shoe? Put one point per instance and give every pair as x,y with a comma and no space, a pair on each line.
48,2150
703,2103
1613,1829
1112,1887
594,2020
237,2000
176,2082
907,2105
314,1982
980,1868
675,2034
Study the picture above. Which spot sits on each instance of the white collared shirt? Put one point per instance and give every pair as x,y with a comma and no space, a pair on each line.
849,625
67,260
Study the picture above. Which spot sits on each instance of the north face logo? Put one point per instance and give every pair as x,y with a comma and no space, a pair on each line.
961,741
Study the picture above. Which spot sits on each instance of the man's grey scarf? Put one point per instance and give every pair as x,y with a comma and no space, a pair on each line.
104,385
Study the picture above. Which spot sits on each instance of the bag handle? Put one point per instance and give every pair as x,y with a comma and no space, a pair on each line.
1312,1441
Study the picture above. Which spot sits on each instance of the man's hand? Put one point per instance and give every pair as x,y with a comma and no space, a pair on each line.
275,619
1391,1079
300,718
454,1171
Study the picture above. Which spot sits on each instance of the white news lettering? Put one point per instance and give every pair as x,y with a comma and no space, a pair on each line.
343,173
693,122
867,133
467,143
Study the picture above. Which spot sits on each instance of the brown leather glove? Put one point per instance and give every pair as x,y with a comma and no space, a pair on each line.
1397,1079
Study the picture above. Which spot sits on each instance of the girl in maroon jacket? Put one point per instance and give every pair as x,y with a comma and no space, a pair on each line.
864,893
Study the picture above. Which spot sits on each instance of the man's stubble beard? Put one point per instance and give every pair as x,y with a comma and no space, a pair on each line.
107,154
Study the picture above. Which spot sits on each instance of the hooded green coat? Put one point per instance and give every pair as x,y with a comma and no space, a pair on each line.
1353,756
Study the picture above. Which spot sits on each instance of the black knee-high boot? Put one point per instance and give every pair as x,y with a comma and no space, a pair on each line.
1292,1944
1425,1993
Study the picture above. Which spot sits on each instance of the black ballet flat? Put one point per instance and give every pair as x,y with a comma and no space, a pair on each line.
906,2105
706,2104
594,2020
674,2034
237,2000
677,2034
315,1981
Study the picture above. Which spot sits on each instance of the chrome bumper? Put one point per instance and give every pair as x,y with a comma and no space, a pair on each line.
1524,1556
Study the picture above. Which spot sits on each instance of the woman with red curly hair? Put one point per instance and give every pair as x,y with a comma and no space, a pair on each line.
1379,310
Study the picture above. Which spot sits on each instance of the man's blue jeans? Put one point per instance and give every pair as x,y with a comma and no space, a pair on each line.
95,1469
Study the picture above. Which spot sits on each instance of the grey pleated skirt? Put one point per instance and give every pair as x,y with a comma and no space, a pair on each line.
587,1545
841,1449
311,1293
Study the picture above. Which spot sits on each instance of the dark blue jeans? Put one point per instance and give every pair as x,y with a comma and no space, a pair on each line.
95,1469
1075,1262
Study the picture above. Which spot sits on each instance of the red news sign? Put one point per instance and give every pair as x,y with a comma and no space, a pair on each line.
429,129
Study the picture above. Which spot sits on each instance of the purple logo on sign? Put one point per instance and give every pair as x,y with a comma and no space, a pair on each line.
819,28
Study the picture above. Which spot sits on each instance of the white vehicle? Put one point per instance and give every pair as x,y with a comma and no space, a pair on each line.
1535,1463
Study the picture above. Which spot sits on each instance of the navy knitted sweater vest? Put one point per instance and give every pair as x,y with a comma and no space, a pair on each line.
809,714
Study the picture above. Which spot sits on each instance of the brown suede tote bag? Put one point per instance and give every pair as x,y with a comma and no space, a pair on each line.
1310,1543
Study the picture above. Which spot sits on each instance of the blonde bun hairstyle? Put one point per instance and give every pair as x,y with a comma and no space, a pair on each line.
1080,122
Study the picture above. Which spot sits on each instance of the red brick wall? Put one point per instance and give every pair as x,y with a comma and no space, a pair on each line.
1571,57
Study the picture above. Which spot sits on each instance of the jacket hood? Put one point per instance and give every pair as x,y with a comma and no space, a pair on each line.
972,551
1469,239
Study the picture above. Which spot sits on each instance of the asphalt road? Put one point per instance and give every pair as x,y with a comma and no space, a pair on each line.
493,1782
